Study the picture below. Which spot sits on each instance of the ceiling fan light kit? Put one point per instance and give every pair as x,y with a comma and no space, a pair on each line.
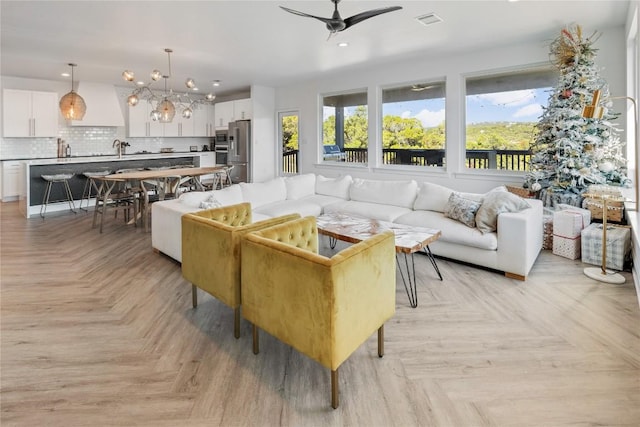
336,23
164,104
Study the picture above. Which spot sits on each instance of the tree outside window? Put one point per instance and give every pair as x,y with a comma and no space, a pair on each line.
345,127
501,115
413,124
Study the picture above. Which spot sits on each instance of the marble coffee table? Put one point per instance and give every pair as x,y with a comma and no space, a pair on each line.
409,240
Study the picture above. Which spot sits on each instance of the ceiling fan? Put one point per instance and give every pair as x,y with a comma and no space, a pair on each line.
336,23
420,88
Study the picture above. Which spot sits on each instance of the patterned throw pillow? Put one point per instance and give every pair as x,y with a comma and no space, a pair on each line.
461,209
210,203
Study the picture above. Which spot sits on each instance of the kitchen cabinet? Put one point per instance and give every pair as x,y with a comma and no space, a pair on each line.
140,123
29,114
10,180
224,114
179,126
242,109
230,111
204,121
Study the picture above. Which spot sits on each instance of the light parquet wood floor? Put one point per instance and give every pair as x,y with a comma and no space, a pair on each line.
98,330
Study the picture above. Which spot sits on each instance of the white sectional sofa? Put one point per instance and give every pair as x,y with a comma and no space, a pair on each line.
512,248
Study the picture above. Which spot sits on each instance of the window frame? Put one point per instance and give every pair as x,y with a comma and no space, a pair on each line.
540,67
438,80
363,91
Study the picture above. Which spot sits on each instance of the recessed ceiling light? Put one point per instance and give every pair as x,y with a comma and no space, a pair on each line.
428,19
195,88
140,83
65,74
216,83
343,44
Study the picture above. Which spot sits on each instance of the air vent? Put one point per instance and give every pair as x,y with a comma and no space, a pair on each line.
428,19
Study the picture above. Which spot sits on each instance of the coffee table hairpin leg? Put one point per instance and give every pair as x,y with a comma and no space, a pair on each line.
409,281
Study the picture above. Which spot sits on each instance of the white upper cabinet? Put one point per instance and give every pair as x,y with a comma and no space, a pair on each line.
224,114
140,123
230,111
29,114
242,109
203,120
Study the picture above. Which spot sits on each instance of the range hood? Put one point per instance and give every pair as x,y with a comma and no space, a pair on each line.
103,107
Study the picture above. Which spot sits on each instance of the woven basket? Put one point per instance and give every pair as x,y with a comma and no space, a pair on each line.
522,192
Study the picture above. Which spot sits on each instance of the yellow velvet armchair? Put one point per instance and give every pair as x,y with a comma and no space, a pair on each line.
211,252
323,307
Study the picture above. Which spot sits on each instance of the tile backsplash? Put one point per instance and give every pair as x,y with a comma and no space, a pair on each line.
90,141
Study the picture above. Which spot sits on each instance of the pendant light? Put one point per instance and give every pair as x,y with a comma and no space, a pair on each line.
72,105
166,104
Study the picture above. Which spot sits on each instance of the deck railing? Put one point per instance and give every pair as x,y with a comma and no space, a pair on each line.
513,160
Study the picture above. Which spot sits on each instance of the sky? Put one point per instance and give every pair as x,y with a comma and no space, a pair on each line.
513,106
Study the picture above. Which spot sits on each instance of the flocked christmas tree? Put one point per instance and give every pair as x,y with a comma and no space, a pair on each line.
571,152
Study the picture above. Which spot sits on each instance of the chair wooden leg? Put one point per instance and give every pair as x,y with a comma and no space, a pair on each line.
381,341
236,322
194,295
256,344
335,400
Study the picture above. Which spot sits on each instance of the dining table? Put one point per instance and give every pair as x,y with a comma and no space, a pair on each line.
150,181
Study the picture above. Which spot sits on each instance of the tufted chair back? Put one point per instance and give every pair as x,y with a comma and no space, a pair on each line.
323,307
211,251
300,234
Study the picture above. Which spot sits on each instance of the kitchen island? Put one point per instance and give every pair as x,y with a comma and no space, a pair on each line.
32,186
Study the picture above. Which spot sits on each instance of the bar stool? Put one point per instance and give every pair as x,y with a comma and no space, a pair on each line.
90,185
51,179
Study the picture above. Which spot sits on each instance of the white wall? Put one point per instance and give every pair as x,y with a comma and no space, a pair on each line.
305,97
264,147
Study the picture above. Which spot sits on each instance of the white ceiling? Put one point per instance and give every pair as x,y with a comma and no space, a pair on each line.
255,42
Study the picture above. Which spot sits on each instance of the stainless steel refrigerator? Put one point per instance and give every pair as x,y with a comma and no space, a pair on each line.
240,150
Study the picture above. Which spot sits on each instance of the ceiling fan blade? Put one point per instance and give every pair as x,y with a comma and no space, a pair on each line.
353,20
295,12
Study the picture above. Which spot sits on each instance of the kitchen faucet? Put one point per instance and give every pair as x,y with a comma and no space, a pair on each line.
120,146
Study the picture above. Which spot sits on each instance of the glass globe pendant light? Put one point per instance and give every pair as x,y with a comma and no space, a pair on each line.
72,106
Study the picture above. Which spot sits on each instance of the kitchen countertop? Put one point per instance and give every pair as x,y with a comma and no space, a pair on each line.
102,158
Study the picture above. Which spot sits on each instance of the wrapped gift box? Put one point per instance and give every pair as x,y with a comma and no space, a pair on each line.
586,213
568,223
618,245
566,247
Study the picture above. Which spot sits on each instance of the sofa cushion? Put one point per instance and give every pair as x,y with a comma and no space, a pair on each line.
284,207
461,209
299,186
394,193
321,200
335,187
495,203
453,231
432,197
367,210
262,193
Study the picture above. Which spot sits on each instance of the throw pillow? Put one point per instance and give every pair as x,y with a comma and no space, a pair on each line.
210,203
432,197
495,203
461,209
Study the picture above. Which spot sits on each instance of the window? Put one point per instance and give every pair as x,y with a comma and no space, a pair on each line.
345,127
502,111
289,136
413,125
